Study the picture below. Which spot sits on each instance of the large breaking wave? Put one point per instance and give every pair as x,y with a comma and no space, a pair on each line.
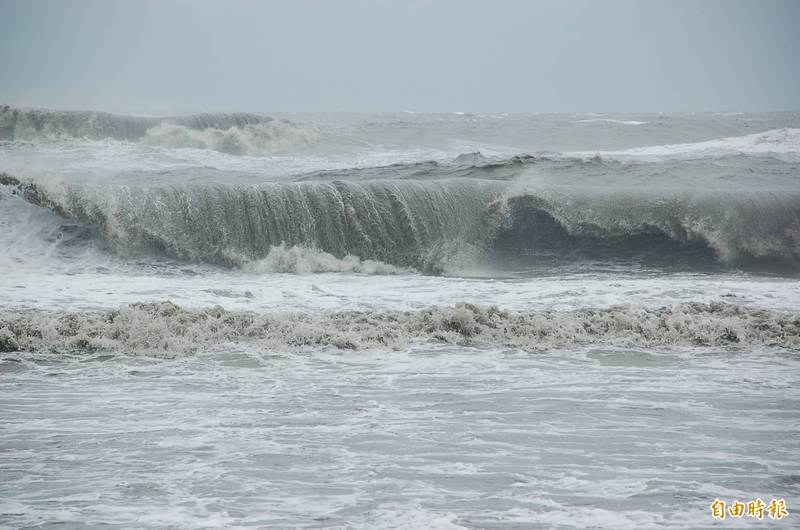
432,225
165,329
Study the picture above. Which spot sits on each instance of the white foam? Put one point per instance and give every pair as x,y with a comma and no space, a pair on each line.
391,517
429,437
167,330
304,260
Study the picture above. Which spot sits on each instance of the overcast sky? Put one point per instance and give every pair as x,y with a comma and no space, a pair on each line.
391,55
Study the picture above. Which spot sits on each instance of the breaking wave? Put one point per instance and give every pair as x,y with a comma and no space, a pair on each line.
167,330
439,226
232,133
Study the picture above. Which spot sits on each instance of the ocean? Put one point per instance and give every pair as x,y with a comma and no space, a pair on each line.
401,320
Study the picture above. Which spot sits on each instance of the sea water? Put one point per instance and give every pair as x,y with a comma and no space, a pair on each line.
397,320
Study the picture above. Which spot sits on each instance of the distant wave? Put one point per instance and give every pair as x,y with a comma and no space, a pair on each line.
781,141
22,124
232,133
609,120
774,142
167,330
439,226
246,133
253,139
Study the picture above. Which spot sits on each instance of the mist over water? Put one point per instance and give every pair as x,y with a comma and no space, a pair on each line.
404,320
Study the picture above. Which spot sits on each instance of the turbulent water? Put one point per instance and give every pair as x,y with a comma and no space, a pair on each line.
397,320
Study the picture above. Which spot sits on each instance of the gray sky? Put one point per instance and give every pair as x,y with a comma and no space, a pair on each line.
389,55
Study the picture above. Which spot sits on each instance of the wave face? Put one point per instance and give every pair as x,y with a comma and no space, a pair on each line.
165,329
431,225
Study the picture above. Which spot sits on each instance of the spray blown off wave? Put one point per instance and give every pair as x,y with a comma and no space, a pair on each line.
234,133
164,329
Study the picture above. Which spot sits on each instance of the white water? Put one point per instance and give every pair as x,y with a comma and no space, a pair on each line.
426,437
